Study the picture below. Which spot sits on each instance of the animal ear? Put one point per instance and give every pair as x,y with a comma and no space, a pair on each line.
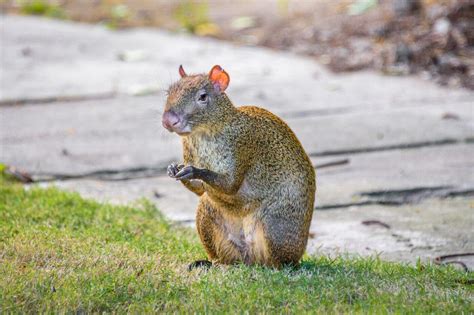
182,73
219,78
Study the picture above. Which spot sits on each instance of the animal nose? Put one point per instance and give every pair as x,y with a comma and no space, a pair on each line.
170,120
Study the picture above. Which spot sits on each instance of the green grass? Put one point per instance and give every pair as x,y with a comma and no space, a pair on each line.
41,7
61,253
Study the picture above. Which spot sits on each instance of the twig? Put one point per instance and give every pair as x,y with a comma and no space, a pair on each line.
332,163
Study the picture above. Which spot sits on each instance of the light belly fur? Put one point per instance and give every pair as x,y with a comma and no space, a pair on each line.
246,234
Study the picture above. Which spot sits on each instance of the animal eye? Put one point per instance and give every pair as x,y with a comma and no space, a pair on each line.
203,97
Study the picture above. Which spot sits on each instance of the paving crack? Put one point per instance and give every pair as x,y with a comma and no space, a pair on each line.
57,99
355,204
317,112
400,197
364,107
460,193
407,196
400,146
105,175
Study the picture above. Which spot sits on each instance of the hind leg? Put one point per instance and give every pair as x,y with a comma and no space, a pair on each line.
218,234
286,236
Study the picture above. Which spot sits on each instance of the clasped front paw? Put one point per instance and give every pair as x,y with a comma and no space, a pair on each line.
188,172
173,169
181,172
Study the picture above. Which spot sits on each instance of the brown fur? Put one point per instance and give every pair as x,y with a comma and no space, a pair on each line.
257,197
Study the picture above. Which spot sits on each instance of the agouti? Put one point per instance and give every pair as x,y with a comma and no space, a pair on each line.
255,181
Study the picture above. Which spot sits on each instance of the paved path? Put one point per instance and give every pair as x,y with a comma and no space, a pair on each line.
402,148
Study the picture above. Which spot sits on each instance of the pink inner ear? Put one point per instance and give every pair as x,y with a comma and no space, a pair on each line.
182,73
222,81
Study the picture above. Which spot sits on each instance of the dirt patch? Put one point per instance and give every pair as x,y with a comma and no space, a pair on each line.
435,38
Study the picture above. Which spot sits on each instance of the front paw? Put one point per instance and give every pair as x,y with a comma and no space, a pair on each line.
187,172
173,169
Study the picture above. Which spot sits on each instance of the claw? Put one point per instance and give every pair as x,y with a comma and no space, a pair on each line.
187,172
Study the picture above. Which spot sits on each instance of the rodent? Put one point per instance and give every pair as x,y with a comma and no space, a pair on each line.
255,181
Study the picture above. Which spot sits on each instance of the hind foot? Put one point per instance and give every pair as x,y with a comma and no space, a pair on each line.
206,264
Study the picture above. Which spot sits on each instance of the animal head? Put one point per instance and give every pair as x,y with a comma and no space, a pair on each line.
195,101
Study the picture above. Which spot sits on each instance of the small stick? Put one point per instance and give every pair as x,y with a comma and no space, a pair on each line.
332,163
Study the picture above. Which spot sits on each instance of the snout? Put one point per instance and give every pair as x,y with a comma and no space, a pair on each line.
174,122
170,120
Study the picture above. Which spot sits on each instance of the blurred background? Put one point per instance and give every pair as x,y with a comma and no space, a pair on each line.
380,93
434,37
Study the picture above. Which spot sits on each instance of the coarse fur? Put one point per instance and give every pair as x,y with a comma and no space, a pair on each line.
255,181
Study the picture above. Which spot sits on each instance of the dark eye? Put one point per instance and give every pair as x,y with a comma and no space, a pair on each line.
203,97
